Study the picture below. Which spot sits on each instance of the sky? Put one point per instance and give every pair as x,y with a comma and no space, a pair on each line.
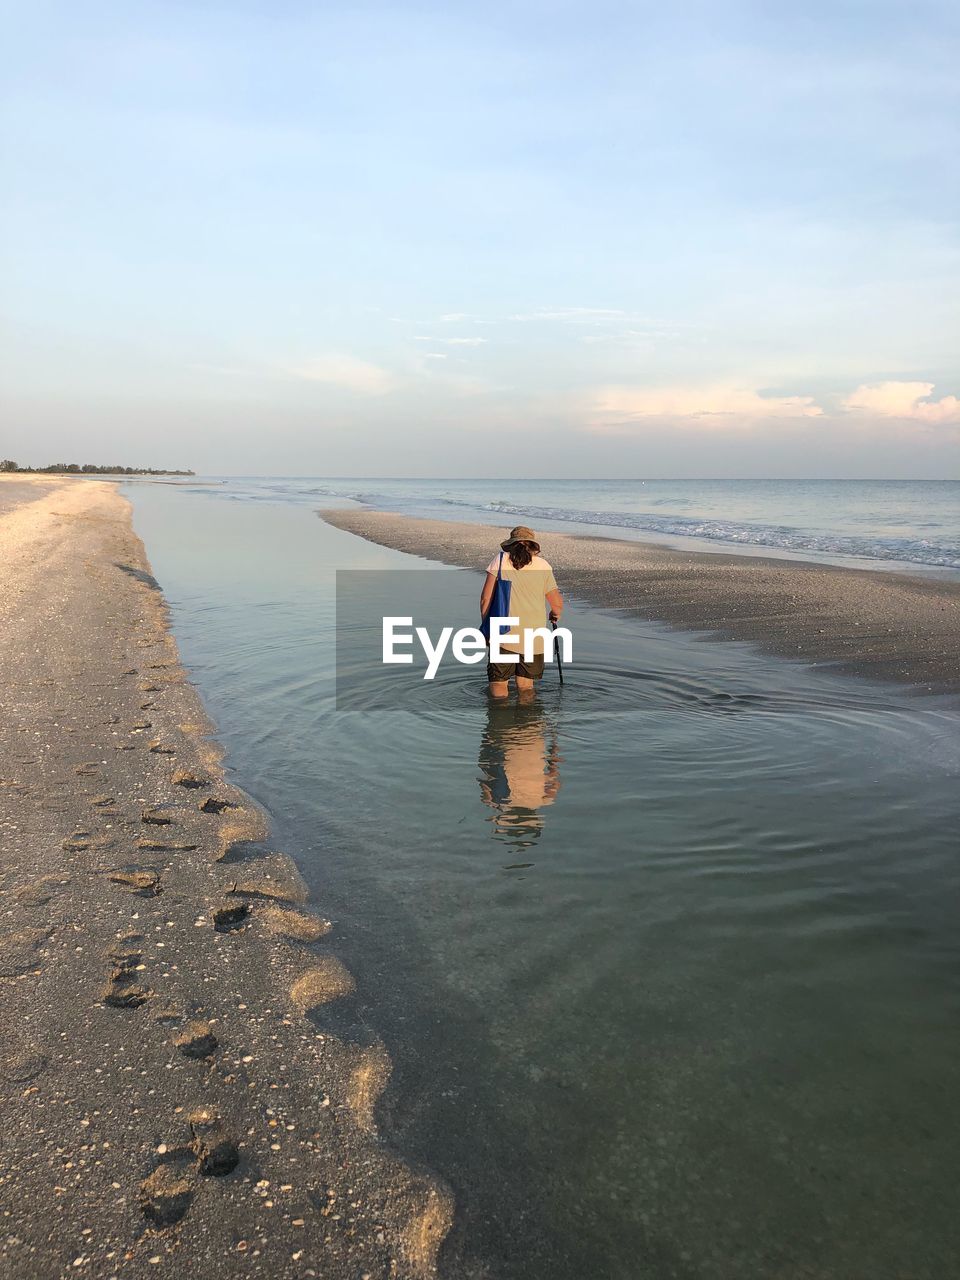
525,239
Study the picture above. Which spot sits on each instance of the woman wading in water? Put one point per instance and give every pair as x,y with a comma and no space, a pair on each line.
532,588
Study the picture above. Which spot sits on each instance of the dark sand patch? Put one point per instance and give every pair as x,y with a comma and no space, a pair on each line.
16,490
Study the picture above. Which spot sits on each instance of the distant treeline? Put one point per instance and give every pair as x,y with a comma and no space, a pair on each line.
88,469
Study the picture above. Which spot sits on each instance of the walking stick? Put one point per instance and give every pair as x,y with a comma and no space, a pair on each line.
556,652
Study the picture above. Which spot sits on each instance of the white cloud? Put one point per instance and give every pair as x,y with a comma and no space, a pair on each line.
619,408
731,406
903,400
228,371
631,338
575,315
347,372
450,342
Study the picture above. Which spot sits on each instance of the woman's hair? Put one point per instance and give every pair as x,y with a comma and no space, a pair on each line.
521,553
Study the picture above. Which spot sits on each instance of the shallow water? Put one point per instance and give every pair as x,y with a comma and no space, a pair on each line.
667,963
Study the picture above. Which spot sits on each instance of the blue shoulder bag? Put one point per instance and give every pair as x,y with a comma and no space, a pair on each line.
499,602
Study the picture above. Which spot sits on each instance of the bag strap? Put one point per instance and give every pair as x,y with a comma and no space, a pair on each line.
500,566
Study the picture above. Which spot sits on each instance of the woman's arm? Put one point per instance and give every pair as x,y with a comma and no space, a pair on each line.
555,601
486,595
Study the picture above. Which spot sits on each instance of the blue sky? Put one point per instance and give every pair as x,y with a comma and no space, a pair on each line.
567,239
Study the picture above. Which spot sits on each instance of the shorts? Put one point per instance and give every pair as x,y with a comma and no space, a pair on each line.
532,670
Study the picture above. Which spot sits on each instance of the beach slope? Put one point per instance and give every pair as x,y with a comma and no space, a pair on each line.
173,1098
889,626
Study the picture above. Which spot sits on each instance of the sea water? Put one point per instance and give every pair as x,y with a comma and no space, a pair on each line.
667,963
892,523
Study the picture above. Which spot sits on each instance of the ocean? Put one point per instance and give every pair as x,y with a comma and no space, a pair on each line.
873,523
667,963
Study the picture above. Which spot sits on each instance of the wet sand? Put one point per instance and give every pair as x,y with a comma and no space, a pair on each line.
889,626
173,1097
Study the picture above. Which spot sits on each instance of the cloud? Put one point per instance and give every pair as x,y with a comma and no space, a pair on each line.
228,371
619,408
729,406
631,338
903,400
450,342
576,315
351,374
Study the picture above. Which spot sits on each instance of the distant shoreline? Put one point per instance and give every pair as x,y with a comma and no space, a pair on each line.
892,626
89,469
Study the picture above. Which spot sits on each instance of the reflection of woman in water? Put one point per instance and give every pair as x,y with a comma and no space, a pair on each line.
532,588
519,771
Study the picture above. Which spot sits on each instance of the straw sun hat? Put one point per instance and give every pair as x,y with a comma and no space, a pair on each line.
520,534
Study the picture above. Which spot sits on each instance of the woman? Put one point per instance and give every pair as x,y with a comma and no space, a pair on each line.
532,587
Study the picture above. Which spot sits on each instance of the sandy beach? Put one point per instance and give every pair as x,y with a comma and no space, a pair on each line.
888,626
173,1100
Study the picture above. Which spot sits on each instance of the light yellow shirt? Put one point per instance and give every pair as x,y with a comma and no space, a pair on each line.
528,590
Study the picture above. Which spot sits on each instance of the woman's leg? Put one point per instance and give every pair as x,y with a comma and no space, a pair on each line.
528,673
498,679
525,685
